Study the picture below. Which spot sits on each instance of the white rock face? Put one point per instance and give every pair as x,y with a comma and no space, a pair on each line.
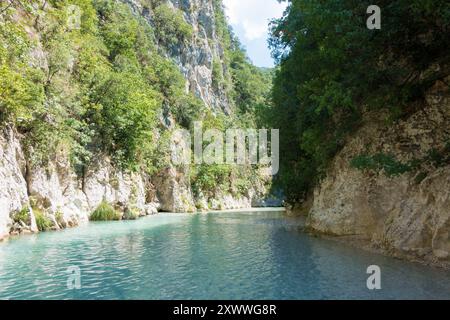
406,215
56,189
196,55
13,188
104,182
254,197
174,191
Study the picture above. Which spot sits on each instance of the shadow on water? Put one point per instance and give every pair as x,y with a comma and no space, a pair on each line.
232,255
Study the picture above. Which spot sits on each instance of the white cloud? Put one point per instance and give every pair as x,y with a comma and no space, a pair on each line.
253,15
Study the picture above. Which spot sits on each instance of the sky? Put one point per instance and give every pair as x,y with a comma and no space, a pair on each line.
250,19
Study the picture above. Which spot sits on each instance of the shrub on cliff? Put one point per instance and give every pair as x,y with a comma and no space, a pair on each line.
131,213
170,26
20,91
105,212
43,223
22,216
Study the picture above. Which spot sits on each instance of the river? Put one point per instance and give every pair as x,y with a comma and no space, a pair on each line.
228,255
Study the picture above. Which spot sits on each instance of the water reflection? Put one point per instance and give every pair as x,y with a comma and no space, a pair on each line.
259,255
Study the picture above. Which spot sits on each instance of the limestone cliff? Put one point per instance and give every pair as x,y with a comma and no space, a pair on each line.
59,191
195,57
406,215
68,198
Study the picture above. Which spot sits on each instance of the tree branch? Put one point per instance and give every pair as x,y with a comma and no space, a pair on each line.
10,3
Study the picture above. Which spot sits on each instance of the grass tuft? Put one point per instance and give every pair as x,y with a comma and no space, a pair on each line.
105,212
43,223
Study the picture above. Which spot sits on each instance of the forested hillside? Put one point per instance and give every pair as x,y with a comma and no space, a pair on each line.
333,70
105,85
102,84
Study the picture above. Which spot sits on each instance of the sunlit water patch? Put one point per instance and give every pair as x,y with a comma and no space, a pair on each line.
234,255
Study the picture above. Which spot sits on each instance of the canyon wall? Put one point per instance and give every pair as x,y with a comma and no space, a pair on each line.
57,190
68,198
405,215
195,56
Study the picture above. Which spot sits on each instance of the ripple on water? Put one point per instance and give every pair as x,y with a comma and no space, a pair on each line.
257,255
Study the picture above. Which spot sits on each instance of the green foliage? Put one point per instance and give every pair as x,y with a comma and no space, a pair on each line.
20,92
248,86
103,88
125,116
165,77
22,216
171,28
251,85
43,223
211,178
439,158
131,214
105,212
217,74
222,178
435,158
381,161
332,66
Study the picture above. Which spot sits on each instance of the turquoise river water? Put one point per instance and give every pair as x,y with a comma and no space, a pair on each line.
234,255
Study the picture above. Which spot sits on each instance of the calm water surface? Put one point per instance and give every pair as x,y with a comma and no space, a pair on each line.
245,255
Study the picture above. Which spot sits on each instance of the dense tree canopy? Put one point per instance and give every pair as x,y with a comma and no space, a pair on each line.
333,68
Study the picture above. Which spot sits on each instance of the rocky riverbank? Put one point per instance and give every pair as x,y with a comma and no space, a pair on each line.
405,215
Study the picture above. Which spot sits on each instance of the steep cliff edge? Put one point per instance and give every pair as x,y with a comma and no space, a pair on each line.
195,56
406,214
